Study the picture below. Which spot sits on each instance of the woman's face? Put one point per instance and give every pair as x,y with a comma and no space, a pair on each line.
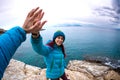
59,40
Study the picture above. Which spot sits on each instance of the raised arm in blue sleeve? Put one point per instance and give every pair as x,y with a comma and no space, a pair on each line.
39,47
9,42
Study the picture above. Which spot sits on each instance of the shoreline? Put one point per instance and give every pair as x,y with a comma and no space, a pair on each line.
75,70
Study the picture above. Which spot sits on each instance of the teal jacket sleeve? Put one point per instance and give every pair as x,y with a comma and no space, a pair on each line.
39,47
9,42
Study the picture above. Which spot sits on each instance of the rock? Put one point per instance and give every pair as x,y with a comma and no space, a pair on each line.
17,70
76,70
112,63
112,75
88,68
2,31
75,75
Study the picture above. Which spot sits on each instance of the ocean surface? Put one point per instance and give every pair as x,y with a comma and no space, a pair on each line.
81,41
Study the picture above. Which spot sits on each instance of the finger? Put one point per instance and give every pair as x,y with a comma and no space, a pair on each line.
31,13
40,16
37,14
42,24
38,26
36,20
34,28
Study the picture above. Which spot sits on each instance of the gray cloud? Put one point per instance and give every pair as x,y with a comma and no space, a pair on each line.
116,6
112,12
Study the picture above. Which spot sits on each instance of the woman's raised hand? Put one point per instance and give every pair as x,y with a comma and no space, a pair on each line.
33,22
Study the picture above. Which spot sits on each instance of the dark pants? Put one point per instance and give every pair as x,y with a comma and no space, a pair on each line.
64,77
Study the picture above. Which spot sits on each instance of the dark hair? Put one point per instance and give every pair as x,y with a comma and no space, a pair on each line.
51,44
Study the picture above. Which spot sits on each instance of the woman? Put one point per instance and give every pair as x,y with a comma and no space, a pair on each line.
53,53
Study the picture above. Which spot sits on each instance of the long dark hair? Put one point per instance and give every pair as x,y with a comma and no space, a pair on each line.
51,44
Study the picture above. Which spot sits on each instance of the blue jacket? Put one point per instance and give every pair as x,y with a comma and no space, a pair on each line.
9,42
53,57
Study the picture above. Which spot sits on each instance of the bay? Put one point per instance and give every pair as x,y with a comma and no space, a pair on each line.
79,42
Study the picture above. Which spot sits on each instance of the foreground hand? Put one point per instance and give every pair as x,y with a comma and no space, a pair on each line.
33,23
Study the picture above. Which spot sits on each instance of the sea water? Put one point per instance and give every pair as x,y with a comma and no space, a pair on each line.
79,42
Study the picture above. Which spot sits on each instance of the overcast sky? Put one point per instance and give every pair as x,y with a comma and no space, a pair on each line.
13,12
